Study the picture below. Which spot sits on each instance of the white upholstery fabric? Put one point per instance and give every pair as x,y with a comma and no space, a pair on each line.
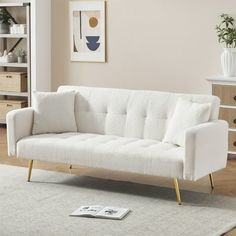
105,151
19,125
129,113
54,112
134,123
205,152
187,114
205,149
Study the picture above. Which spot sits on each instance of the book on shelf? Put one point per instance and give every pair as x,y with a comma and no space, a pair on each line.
97,211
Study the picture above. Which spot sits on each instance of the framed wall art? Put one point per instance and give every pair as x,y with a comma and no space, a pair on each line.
87,31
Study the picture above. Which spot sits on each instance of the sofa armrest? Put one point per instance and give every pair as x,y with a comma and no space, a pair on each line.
206,147
19,125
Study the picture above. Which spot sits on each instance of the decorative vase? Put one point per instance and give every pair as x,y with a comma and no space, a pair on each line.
21,59
228,62
4,28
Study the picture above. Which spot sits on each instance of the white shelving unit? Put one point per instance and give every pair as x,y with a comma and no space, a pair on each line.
26,67
15,65
13,35
39,38
14,94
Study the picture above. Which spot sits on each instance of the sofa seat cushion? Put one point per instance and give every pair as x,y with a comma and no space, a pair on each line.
105,151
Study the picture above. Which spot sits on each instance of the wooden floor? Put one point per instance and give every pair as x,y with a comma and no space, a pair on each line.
225,180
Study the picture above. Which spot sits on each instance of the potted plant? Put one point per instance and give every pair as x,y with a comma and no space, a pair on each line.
21,54
5,21
226,33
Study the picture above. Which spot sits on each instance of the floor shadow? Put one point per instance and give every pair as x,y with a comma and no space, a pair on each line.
189,198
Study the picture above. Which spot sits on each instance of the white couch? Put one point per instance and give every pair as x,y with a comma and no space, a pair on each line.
123,130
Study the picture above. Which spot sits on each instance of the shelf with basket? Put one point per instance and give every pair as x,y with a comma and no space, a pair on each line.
15,68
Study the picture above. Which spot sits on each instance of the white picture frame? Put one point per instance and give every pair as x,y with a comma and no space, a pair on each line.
87,31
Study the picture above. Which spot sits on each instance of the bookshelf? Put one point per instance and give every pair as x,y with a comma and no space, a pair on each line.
12,42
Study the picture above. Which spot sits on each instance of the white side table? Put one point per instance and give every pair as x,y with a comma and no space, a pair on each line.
225,89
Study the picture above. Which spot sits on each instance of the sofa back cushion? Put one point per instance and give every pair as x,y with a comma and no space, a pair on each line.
129,113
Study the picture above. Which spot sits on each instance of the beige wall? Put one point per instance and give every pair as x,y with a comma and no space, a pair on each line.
151,44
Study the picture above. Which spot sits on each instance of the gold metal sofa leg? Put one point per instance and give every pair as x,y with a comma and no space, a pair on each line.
212,181
30,169
177,191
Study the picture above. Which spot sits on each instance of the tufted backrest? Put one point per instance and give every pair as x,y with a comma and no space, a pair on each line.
129,113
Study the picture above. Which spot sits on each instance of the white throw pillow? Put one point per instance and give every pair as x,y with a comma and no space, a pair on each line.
186,115
54,112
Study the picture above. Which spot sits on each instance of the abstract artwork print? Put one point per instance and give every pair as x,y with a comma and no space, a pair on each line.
87,29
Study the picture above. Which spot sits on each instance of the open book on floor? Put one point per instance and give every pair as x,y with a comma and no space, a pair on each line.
97,211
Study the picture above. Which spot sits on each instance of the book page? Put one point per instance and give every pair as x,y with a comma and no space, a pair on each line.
87,211
112,212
